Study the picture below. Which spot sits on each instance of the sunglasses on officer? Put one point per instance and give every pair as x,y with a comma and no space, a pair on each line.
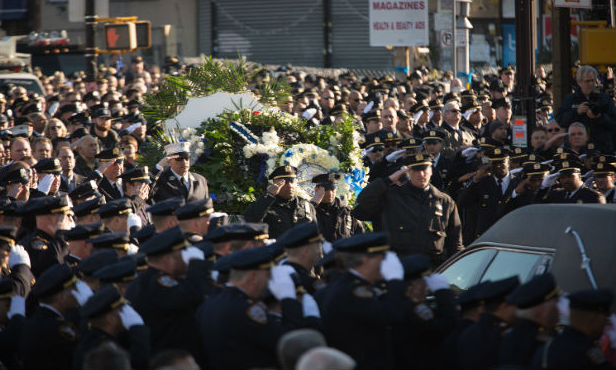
181,158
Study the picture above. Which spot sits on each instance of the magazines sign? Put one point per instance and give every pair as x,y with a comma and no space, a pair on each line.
398,23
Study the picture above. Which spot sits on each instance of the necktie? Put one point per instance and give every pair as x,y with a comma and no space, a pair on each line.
500,186
567,197
186,183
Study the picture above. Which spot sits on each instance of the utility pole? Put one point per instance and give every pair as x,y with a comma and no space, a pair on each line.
561,53
525,30
90,21
453,39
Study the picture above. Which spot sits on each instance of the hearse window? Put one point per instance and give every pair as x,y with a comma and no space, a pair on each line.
466,271
508,263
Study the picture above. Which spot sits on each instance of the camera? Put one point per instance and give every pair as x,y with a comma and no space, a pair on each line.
594,107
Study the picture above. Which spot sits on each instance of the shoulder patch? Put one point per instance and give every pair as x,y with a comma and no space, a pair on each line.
596,355
257,313
167,281
424,312
363,291
67,331
38,245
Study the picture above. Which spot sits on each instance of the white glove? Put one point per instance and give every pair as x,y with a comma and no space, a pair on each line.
281,284
192,253
395,155
563,308
309,113
549,180
436,282
217,214
310,306
82,292
133,220
130,317
214,275
469,152
327,247
45,184
516,170
19,256
133,127
368,107
391,267
18,307
132,249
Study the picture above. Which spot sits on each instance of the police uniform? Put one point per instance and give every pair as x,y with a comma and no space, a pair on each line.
297,237
10,330
88,207
521,343
45,250
478,346
417,339
583,194
84,191
104,301
530,170
441,165
468,109
280,214
417,110
602,169
489,193
111,190
46,166
81,232
20,175
237,330
335,220
20,275
48,339
134,175
119,274
572,348
195,210
167,184
427,216
168,303
356,316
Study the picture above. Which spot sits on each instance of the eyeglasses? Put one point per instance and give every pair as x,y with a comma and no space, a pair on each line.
179,159
553,129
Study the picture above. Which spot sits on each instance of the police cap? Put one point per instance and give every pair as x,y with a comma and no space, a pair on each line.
388,136
497,155
502,102
498,290
436,104
596,300
536,170
239,231
470,298
416,266
137,174
338,110
115,207
54,280
89,206
373,115
165,207
327,180
115,240
97,260
165,242
434,136
568,167
372,140
110,155
142,235
284,172
140,260
603,169
410,143
194,209
418,161
11,208
420,106
6,287
120,272
7,235
50,204
277,251
48,165
539,289
363,243
518,154
105,300
301,235
16,176
255,258
84,190
207,247
84,231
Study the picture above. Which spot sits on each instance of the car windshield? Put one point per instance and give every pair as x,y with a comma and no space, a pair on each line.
508,263
28,84
468,269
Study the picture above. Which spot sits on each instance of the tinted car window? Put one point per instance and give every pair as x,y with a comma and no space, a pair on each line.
28,84
466,271
508,263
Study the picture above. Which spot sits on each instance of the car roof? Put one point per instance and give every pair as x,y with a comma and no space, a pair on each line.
544,226
22,75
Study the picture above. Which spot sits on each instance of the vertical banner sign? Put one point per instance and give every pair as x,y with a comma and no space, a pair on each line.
508,44
519,132
398,23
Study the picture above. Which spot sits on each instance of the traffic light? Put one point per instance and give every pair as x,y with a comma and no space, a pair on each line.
144,34
120,36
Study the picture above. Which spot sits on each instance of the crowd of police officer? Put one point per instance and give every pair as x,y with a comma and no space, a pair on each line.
104,260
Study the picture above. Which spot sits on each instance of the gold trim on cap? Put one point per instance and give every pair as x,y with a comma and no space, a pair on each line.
70,282
119,302
266,265
208,211
125,210
379,248
181,245
281,176
317,238
554,293
7,295
61,209
123,246
139,178
261,237
8,240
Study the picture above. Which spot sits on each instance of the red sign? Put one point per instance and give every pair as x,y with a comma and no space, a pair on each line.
547,30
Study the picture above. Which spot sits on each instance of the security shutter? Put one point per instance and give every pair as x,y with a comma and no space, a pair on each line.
351,38
204,34
271,31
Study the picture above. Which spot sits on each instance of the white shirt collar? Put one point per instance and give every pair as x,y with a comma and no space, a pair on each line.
575,191
180,177
436,159
354,272
52,309
505,181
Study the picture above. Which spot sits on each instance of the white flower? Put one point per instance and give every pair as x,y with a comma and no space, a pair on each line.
201,145
199,152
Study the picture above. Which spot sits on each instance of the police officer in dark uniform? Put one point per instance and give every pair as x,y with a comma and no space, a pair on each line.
478,346
418,338
109,315
237,330
96,261
490,189
12,318
280,207
194,218
576,346
115,213
77,239
537,314
303,248
356,317
604,180
527,189
48,338
135,183
166,299
43,245
333,214
413,210
120,274
86,212
84,191
118,241
163,213
15,262
47,167
233,237
441,165
108,180
573,189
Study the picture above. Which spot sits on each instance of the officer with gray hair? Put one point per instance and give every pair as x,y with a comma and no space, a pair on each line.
323,358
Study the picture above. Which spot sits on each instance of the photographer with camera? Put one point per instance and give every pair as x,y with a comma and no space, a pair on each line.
594,109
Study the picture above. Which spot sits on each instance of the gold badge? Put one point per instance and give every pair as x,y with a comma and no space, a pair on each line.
537,166
115,151
377,140
432,133
565,164
419,157
599,166
257,313
497,151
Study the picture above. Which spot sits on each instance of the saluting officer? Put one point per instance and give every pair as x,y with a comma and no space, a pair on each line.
333,214
120,274
576,346
49,180
115,214
78,244
433,145
418,217
15,262
163,213
86,211
303,247
234,237
136,185
279,207
109,315
112,166
237,330
177,180
194,218
52,214
118,241
165,299
356,317
527,189
573,189
604,179
490,189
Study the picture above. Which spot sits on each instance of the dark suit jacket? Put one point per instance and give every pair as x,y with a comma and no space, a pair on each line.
440,173
67,188
105,188
168,186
